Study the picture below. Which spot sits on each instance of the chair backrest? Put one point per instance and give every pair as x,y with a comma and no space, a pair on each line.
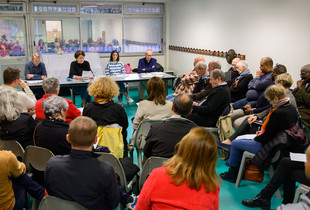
110,158
150,164
111,136
51,202
141,133
15,147
37,157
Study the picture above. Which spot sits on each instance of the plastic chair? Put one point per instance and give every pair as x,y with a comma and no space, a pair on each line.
140,135
51,202
246,155
150,164
15,147
300,190
118,169
36,157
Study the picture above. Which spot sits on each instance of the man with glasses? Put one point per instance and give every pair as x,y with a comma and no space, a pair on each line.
302,96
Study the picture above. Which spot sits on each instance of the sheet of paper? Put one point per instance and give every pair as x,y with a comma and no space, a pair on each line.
87,74
34,81
300,157
247,136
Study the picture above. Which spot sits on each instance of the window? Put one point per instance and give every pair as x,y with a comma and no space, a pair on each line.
11,7
57,36
12,37
141,34
101,9
144,9
101,35
55,8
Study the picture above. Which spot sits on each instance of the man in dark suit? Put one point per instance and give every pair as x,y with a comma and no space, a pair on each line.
163,136
207,112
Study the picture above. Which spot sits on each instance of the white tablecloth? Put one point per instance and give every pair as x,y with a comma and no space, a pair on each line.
59,65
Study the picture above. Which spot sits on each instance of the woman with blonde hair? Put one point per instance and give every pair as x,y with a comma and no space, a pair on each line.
188,180
103,110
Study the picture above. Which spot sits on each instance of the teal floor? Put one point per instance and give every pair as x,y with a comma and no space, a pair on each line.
230,196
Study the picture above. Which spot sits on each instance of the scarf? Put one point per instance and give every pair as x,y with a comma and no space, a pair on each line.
98,100
279,103
238,78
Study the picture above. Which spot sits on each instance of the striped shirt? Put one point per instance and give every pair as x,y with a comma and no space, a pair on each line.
114,68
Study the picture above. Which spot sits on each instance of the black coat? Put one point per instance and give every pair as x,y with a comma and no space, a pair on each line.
163,136
208,113
241,89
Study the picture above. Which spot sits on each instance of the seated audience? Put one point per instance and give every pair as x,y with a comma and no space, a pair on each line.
248,126
115,68
188,81
15,122
89,182
146,65
282,116
207,112
163,137
302,95
203,87
11,79
155,107
51,132
232,73
103,110
51,87
35,69
239,87
261,104
76,72
15,183
287,173
188,180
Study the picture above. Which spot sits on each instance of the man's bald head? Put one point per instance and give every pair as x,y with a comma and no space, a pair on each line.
234,63
214,64
182,104
198,59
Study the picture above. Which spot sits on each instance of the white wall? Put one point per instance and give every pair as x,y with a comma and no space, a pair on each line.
257,28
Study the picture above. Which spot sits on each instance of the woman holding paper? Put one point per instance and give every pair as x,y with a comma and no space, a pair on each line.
282,116
76,71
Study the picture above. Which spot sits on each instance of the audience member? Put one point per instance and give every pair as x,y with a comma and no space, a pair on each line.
239,86
51,132
11,79
76,72
163,137
287,173
282,116
51,87
204,87
305,202
15,183
188,180
188,81
114,68
80,176
146,64
248,126
15,122
34,69
207,112
302,95
232,73
103,110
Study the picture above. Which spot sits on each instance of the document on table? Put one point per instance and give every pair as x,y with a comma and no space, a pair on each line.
33,81
300,157
247,136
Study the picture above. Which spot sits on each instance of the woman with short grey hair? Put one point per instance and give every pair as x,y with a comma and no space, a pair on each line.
50,85
51,132
15,122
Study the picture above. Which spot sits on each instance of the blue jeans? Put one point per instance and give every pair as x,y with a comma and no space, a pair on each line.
82,90
241,103
122,89
237,148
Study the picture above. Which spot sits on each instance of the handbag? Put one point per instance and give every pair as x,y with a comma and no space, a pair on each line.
252,172
128,68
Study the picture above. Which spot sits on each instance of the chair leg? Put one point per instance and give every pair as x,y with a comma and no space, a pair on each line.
72,96
241,170
139,160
